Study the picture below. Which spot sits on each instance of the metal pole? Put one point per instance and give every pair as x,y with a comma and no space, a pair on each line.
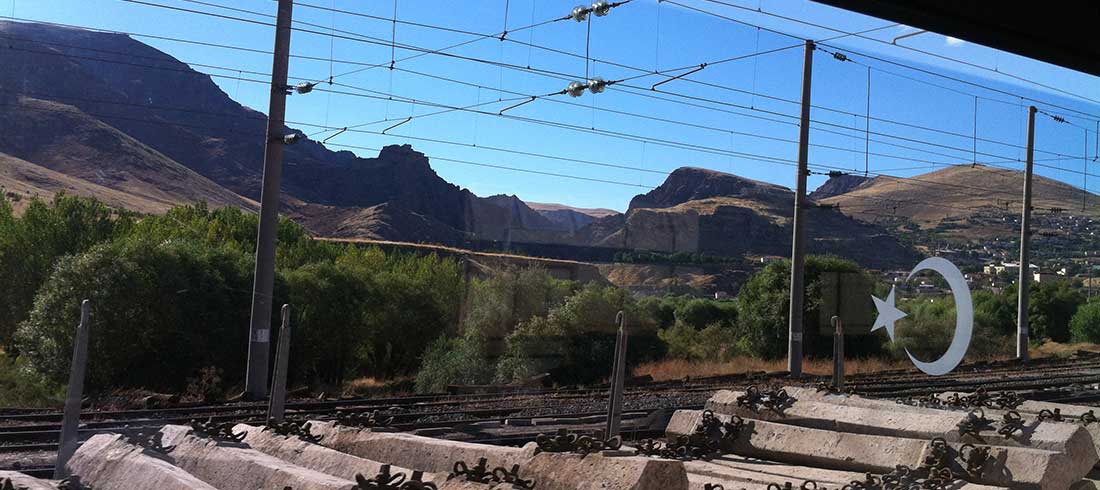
70,422
838,353
1025,245
1088,265
259,329
276,407
618,373
798,248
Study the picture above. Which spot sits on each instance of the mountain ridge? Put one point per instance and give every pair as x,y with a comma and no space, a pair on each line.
199,144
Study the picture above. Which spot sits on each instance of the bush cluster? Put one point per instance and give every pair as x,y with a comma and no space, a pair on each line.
171,297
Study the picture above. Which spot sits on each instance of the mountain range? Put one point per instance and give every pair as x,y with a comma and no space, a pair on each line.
103,115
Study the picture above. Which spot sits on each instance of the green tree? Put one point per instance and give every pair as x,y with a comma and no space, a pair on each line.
1085,324
764,306
929,327
994,313
460,360
234,228
575,341
330,308
160,313
716,342
497,304
417,299
701,313
1052,305
30,245
662,309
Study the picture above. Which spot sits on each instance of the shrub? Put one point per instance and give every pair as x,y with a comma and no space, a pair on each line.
1052,305
1085,324
929,327
160,313
450,361
662,309
994,313
20,386
575,341
701,313
716,342
497,304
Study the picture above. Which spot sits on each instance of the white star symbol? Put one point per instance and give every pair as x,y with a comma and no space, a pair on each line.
887,314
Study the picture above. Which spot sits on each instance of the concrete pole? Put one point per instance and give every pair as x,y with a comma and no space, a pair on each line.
618,373
1024,283
276,407
70,423
259,333
798,248
838,353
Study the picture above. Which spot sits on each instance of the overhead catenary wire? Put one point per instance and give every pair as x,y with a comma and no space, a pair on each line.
862,35
715,62
908,181
845,33
452,108
666,143
545,72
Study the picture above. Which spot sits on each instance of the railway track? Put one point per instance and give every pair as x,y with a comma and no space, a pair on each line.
1062,380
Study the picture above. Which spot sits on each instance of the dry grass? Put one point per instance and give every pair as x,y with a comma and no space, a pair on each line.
365,383
370,386
1054,349
671,369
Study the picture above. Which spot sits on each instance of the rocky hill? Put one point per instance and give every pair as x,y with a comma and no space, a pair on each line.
79,85
966,195
570,219
79,153
705,211
105,115
838,185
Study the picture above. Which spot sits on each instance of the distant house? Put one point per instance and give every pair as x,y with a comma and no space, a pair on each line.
1041,277
1013,267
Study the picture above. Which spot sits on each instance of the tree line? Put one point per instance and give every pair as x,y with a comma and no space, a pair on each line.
171,295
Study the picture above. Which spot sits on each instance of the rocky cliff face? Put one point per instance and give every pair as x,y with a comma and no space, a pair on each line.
109,110
692,184
838,185
570,219
180,115
698,210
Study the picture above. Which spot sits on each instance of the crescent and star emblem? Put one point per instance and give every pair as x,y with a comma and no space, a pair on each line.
888,313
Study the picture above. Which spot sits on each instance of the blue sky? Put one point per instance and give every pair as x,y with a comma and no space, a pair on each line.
641,34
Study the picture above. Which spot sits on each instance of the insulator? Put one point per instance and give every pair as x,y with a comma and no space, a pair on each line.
840,56
601,8
597,85
292,138
580,13
305,87
576,89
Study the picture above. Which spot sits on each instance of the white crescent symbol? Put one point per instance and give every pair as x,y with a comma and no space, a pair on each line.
964,317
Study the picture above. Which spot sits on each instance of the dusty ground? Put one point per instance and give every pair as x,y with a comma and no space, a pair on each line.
27,460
